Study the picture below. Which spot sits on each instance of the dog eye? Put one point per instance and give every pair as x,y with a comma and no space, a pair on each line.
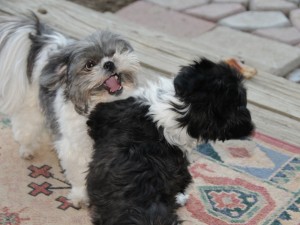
90,64
125,49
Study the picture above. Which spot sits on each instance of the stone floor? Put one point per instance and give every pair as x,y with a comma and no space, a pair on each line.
264,32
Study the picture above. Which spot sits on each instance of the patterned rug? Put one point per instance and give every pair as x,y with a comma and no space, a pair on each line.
245,182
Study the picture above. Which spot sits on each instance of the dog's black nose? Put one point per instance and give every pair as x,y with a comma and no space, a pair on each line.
109,66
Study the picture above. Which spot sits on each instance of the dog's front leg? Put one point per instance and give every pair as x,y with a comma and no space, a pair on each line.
74,148
74,158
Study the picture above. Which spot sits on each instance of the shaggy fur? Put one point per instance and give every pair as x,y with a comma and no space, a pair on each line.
139,163
49,83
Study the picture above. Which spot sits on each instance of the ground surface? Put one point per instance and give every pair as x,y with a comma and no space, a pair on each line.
104,5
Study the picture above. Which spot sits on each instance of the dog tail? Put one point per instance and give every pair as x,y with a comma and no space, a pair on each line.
15,45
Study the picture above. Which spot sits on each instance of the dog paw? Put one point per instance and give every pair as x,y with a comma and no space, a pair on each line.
181,198
78,197
26,153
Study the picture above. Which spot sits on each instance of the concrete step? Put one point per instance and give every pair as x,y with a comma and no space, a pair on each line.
243,2
164,20
288,35
250,20
295,18
294,76
272,5
267,55
179,4
216,11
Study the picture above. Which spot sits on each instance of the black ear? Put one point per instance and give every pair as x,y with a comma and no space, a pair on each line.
199,76
54,73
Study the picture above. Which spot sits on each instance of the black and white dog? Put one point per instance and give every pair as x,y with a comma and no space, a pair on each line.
139,168
49,83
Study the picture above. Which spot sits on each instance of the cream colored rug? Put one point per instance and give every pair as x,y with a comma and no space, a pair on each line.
236,182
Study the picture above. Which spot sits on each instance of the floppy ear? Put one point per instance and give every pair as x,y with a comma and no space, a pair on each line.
54,73
199,76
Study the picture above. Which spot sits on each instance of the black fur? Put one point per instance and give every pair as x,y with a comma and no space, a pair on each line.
217,99
135,174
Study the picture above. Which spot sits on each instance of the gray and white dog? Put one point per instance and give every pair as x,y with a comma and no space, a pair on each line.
50,82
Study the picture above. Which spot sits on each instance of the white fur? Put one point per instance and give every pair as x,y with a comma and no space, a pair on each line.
74,148
182,198
126,61
158,95
13,58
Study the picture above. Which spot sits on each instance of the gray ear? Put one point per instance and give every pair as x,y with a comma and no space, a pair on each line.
54,73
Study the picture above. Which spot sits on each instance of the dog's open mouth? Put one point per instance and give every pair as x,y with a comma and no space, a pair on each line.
113,84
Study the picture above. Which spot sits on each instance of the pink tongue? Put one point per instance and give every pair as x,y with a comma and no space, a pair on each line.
112,84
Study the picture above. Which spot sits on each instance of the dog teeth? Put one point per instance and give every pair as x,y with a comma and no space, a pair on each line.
116,77
120,88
